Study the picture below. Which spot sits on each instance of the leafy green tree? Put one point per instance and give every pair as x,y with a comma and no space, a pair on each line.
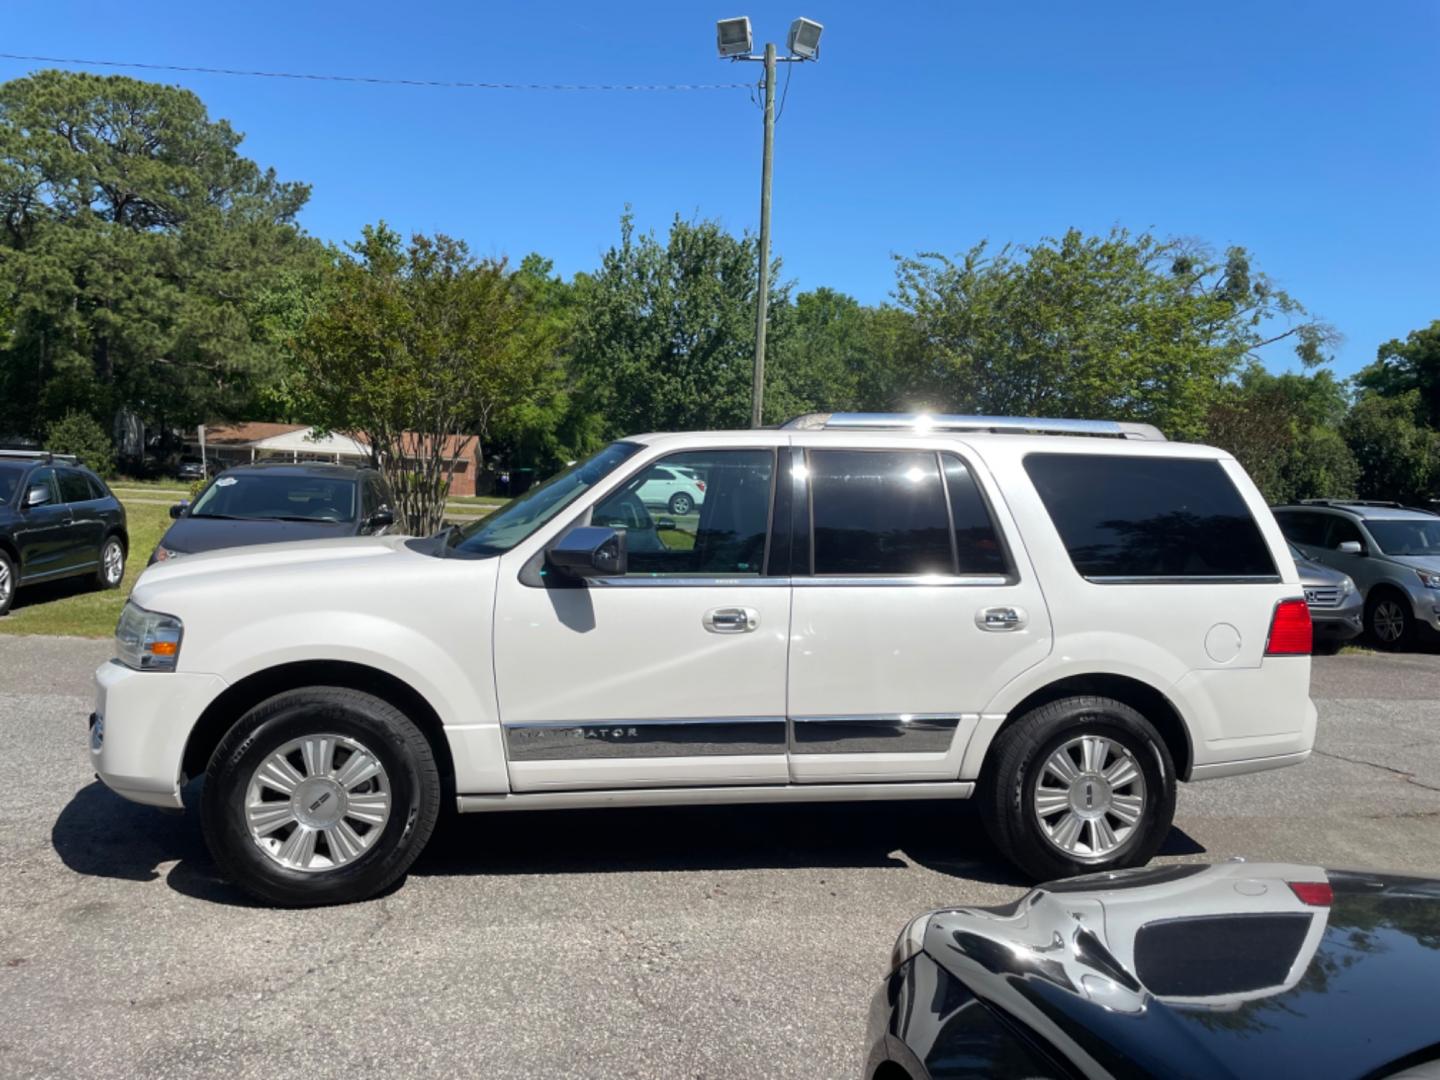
1284,430
1403,366
77,433
140,253
1124,326
1396,454
419,344
666,340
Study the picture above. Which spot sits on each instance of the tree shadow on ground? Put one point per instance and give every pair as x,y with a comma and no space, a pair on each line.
101,835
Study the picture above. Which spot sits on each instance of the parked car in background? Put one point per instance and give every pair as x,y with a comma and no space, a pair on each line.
677,489
1337,610
273,503
57,520
190,468
1228,970
1391,552
1061,618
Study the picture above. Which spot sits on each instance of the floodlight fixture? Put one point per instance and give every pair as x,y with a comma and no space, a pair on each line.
733,38
805,39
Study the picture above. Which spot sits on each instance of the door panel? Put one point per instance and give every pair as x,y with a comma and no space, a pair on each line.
87,523
889,670
42,534
672,675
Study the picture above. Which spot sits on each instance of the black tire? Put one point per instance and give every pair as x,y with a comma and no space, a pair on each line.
681,503
103,573
1380,628
1016,760
384,731
9,581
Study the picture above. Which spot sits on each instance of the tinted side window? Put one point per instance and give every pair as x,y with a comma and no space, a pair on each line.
1303,528
977,545
1342,529
1149,517
98,490
724,531
879,512
368,502
74,487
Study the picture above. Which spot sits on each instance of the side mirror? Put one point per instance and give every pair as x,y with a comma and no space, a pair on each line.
38,495
1350,547
178,510
381,519
589,551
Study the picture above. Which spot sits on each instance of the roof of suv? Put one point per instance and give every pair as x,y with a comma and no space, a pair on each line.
302,468
1366,511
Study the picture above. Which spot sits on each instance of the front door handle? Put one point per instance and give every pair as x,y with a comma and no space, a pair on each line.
731,620
1001,618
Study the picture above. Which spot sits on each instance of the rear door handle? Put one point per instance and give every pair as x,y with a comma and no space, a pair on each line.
1001,618
731,620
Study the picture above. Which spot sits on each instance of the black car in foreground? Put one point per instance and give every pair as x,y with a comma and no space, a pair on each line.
1224,970
57,520
272,503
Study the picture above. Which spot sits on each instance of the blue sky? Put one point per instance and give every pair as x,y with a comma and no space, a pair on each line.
1308,132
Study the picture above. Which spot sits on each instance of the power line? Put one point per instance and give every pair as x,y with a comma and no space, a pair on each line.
376,80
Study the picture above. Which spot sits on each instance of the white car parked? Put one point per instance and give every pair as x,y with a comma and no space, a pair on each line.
1061,619
677,489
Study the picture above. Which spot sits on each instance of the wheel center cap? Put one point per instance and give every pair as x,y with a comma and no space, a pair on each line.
318,802
1090,795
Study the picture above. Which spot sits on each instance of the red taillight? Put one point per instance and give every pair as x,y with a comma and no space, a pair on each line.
700,484
1314,893
1289,630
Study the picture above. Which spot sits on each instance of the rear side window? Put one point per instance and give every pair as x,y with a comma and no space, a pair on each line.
1303,527
890,513
74,486
97,488
1149,517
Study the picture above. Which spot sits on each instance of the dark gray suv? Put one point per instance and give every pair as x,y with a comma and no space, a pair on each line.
1392,553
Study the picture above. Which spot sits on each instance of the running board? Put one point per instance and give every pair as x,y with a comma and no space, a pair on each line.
714,796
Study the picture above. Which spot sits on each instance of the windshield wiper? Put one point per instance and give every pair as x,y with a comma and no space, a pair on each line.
218,517
293,517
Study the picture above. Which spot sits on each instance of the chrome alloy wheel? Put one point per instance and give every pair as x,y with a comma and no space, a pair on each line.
318,802
1388,621
7,584
1090,797
114,562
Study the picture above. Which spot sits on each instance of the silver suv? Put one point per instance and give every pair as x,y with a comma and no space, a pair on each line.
1391,551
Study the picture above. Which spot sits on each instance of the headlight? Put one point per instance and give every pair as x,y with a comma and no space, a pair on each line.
1429,580
162,553
148,640
1347,586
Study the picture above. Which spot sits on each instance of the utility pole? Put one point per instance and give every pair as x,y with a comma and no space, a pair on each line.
735,41
762,301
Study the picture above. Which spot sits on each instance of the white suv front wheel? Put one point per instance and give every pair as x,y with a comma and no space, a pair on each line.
1078,785
322,795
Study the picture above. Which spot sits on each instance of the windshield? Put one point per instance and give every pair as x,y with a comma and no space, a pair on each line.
9,479
266,496
499,532
1419,537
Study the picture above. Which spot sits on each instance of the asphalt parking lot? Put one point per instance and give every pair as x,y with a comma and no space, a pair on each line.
623,943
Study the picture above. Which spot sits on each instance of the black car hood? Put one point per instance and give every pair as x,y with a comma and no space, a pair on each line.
191,535
1237,975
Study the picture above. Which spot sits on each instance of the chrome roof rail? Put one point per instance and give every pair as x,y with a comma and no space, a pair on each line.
922,422
44,456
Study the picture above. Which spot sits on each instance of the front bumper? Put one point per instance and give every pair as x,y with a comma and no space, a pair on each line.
140,726
1340,623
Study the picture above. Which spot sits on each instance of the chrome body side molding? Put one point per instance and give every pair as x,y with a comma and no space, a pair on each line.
913,733
686,737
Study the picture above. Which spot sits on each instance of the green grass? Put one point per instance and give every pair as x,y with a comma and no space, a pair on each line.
72,607
122,483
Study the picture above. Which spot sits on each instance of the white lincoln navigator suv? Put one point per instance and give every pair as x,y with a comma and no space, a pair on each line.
1059,618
